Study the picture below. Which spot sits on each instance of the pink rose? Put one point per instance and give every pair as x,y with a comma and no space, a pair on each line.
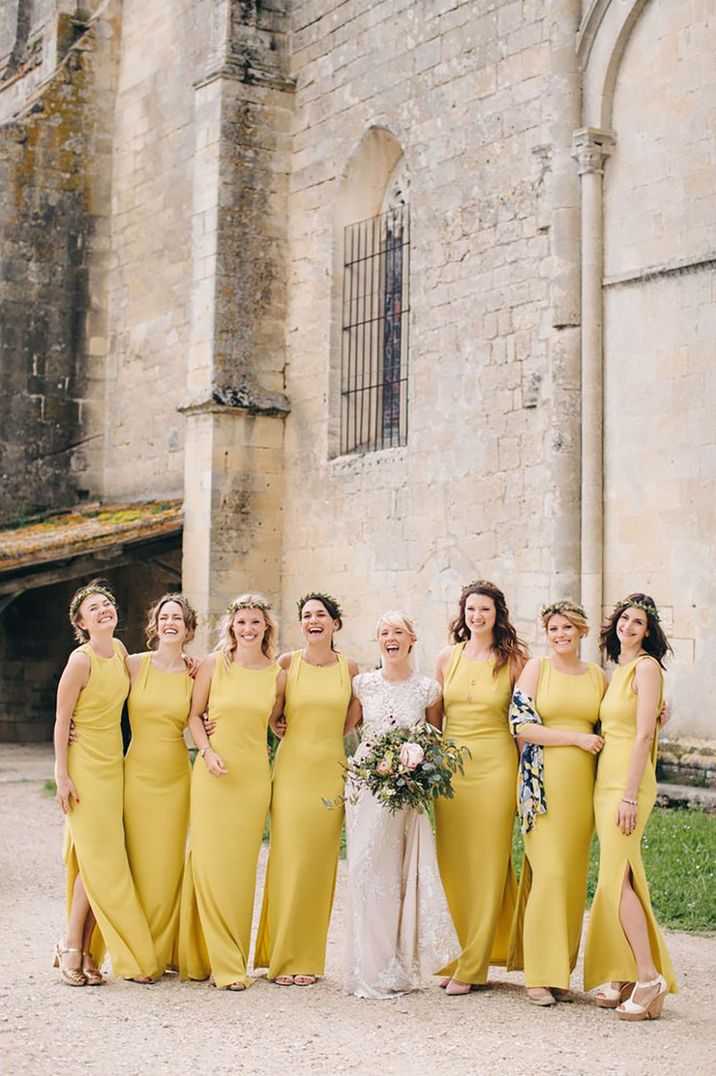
383,767
411,755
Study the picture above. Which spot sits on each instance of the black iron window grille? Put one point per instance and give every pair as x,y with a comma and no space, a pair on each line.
374,358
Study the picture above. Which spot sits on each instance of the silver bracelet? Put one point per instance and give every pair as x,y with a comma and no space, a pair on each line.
634,803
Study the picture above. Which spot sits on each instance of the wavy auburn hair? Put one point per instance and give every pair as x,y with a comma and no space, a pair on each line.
506,643
654,642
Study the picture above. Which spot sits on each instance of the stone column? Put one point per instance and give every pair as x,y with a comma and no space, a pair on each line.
591,146
235,406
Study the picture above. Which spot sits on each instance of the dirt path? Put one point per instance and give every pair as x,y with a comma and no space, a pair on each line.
180,1028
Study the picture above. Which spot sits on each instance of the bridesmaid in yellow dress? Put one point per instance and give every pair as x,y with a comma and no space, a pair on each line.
230,794
556,707
624,943
89,777
474,830
301,873
157,772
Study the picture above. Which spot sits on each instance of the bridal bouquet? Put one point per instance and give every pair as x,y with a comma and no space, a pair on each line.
405,767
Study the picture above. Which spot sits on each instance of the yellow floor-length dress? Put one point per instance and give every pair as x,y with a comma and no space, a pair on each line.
305,834
553,884
94,836
474,830
228,815
608,956
157,776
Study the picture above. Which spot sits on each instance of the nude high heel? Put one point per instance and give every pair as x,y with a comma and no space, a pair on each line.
69,976
632,1011
608,997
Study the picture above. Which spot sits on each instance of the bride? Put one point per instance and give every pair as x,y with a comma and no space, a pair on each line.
399,928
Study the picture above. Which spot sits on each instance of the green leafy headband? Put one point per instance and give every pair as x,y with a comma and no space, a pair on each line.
256,603
321,596
562,607
480,583
629,603
85,592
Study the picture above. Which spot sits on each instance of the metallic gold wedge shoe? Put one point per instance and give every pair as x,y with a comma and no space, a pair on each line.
69,976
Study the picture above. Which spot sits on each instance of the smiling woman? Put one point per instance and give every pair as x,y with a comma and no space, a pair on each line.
157,771
399,928
88,772
230,793
624,943
474,830
305,837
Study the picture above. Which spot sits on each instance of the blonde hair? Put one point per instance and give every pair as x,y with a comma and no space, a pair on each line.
573,613
394,618
95,586
152,629
227,640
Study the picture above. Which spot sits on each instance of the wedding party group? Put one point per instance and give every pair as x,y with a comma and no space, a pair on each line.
162,857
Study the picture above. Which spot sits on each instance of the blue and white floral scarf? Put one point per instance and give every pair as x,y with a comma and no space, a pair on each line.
531,799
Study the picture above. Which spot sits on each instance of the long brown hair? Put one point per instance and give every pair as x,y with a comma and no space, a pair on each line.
654,642
506,643
152,629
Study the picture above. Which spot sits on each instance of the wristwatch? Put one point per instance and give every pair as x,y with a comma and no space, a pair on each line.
203,750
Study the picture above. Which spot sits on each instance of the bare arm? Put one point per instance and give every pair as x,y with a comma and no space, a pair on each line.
434,714
442,664
354,716
278,726
647,684
199,701
517,667
134,664
74,678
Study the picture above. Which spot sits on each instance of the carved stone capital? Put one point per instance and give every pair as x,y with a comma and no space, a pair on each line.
590,147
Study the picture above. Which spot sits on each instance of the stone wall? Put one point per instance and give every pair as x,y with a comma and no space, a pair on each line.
660,340
53,214
153,144
466,90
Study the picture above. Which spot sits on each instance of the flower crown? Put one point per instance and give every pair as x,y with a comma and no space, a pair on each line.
561,607
628,603
321,596
85,592
257,603
479,583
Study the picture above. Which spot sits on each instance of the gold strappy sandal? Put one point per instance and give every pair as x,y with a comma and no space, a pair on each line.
69,976
93,975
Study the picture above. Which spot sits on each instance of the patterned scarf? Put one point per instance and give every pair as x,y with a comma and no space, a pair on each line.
531,799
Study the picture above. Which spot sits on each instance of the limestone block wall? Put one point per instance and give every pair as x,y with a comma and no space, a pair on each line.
465,90
153,145
660,340
53,233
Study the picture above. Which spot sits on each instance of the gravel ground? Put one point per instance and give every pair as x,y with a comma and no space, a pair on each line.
177,1028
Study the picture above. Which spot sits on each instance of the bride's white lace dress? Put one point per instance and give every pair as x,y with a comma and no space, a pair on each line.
399,927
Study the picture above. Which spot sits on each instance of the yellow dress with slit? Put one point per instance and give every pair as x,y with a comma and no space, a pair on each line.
553,883
228,815
157,777
474,830
608,956
94,835
305,835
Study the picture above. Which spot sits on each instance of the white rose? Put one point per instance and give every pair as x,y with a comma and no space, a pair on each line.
411,755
